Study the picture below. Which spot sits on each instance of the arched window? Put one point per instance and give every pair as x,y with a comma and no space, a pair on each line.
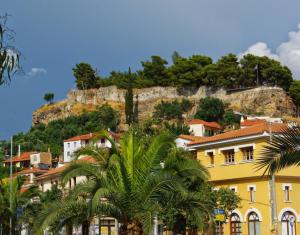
288,223
235,224
253,224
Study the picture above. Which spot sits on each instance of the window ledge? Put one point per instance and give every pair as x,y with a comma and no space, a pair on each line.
210,165
246,161
287,201
229,164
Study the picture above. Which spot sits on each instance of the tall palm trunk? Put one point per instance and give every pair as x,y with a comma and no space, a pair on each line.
69,229
85,227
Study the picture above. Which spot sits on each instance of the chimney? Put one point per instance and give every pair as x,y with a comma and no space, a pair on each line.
19,150
49,150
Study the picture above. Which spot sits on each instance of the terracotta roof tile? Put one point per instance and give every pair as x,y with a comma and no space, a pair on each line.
23,157
247,122
208,124
190,137
31,170
91,136
59,170
253,130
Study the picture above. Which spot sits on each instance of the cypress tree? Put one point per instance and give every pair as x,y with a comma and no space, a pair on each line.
136,110
129,100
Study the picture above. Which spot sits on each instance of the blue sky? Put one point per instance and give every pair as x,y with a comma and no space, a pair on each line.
115,34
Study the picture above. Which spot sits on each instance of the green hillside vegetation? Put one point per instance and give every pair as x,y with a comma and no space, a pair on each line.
41,137
197,70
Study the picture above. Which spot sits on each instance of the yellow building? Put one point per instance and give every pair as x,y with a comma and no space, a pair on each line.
230,158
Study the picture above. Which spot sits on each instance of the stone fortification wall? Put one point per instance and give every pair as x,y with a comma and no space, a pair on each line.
272,101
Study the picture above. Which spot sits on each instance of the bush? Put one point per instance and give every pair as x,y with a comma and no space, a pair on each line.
210,109
230,118
171,110
41,137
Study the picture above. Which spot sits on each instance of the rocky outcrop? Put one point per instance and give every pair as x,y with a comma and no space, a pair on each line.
271,101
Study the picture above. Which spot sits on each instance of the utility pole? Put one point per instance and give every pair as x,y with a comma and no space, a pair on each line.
273,193
256,68
10,195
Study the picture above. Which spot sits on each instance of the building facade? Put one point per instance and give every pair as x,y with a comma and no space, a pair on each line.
75,143
230,158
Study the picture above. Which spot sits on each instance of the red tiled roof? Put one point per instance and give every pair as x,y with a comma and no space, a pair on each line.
190,137
208,124
31,170
91,136
58,170
254,122
23,190
81,137
253,130
23,157
53,171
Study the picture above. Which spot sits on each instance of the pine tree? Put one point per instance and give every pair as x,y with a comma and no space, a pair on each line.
136,110
129,100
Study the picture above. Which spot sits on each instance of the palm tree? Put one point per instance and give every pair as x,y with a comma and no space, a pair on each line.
75,210
68,212
20,200
32,209
281,152
129,182
133,177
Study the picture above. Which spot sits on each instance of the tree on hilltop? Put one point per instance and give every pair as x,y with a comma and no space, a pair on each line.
48,97
86,76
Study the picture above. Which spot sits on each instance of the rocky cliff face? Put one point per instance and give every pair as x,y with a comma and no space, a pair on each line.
272,101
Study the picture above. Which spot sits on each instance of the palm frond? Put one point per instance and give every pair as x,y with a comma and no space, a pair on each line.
282,151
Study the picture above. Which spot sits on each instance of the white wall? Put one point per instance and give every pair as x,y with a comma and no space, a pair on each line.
70,148
35,159
197,129
181,143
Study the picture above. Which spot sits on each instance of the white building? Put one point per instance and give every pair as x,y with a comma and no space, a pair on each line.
75,143
202,128
182,140
258,120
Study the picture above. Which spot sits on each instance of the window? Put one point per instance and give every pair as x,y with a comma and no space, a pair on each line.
34,158
288,223
109,224
229,156
68,145
102,140
68,154
251,190
248,153
235,224
74,180
75,143
287,189
233,188
253,224
212,158
210,132
219,229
